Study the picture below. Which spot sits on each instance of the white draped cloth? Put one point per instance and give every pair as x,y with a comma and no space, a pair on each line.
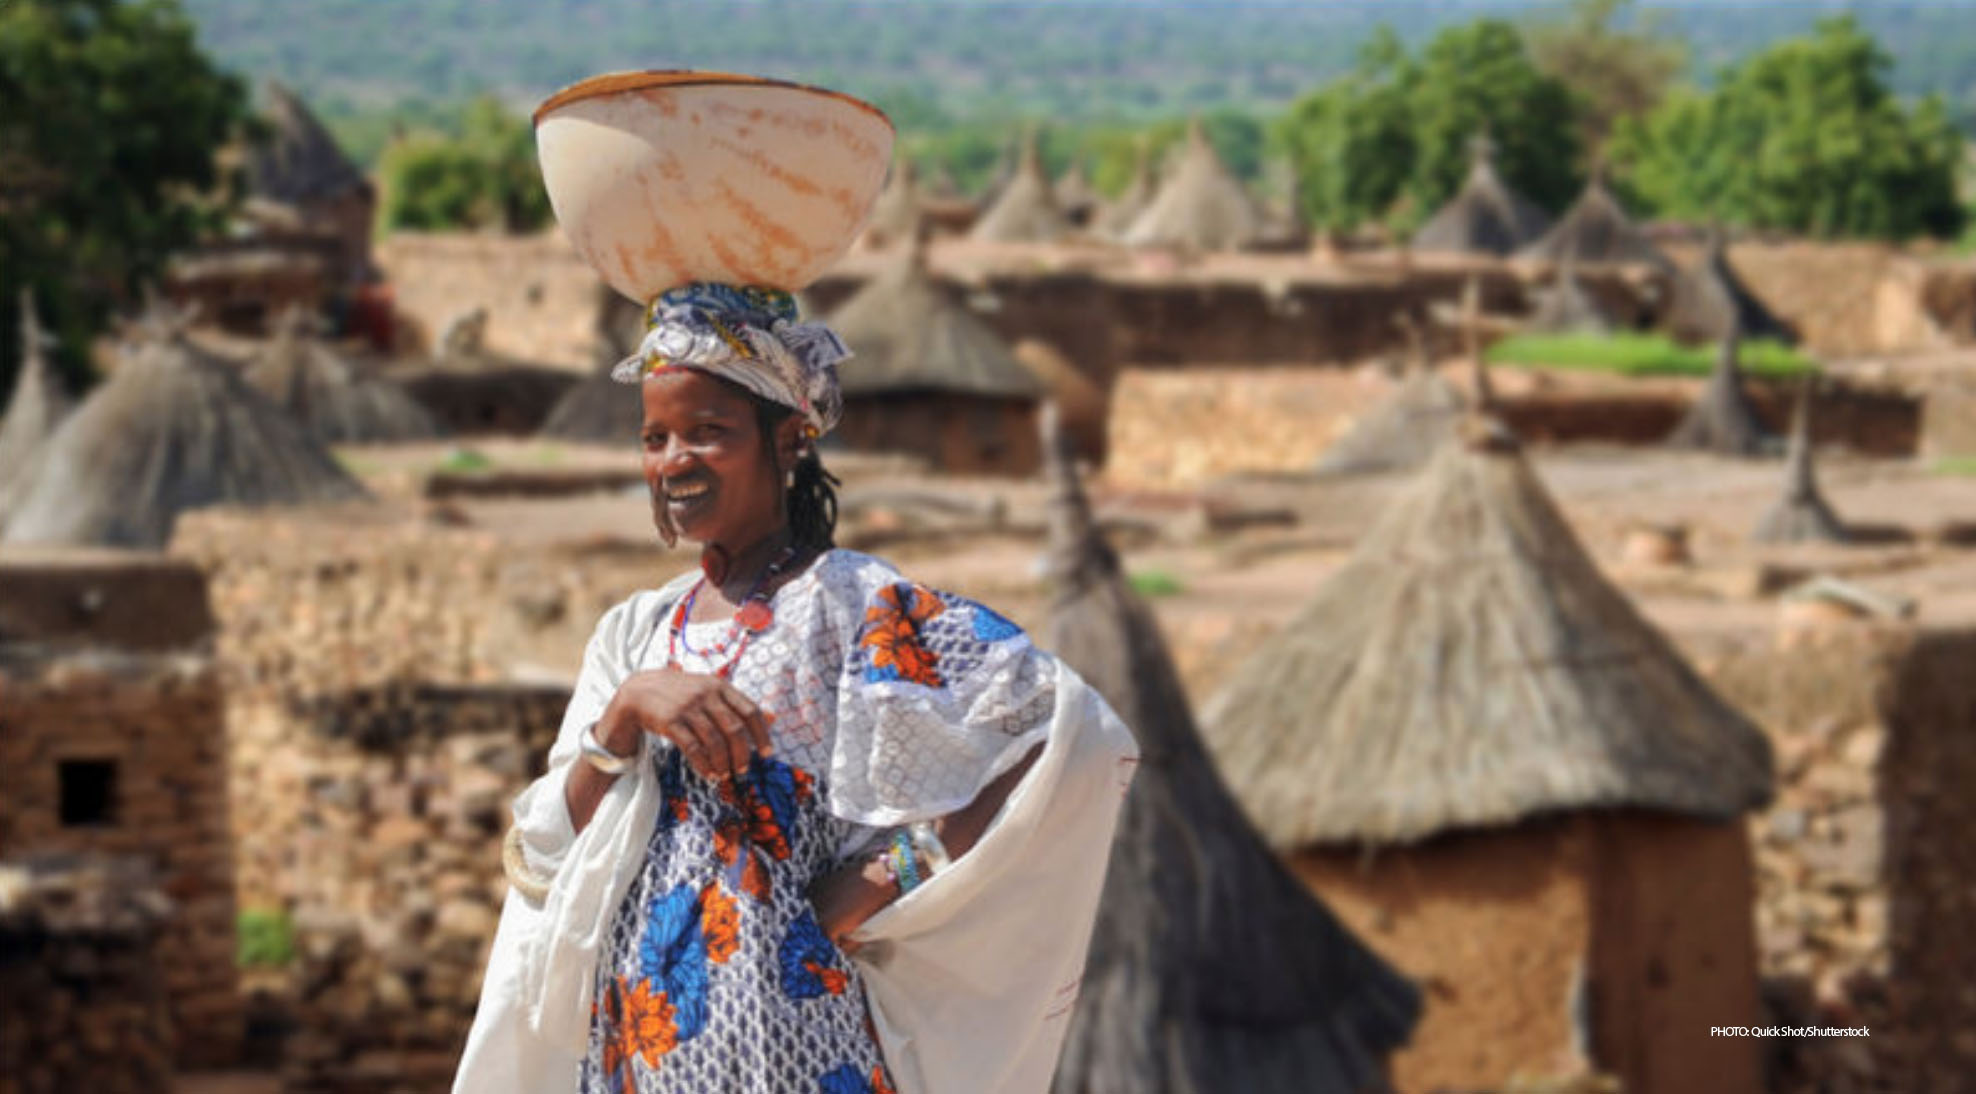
971,977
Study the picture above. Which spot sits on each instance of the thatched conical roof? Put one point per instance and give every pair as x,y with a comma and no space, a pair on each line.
1722,419
299,162
1802,514
1114,218
600,410
1596,229
1211,967
1025,210
1566,308
1709,297
896,214
1485,216
1201,205
1468,667
906,333
37,407
1404,429
334,401
1075,195
173,429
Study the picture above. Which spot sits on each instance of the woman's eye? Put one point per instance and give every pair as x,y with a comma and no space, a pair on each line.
655,440
708,433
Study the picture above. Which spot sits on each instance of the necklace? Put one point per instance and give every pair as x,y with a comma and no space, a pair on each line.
751,618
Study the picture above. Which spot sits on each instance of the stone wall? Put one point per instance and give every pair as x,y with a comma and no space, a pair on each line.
543,304
120,751
83,1004
1864,861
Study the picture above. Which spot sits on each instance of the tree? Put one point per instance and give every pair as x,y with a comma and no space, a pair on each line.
1615,73
1806,137
1400,126
486,177
109,120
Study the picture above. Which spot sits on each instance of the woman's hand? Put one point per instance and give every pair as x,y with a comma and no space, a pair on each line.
849,895
715,726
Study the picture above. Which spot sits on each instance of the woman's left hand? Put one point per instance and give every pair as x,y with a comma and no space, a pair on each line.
846,897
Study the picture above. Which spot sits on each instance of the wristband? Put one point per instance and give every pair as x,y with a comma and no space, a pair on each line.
601,758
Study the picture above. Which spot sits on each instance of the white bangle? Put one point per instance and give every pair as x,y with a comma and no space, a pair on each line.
928,844
601,758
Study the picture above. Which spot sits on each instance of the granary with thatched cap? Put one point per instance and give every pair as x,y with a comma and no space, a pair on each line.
172,429
1406,427
1800,514
927,377
1709,298
1025,208
1722,419
299,181
895,216
1076,197
1485,217
1201,205
1114,218
38,405
1596,229
1565,306
1211,967
1514,787
336,402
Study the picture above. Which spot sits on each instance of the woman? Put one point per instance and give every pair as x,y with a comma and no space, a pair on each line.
788,757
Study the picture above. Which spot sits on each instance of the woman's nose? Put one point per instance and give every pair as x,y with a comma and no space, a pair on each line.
676,458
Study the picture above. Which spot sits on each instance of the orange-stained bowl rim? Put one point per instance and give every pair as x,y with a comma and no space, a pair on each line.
611,83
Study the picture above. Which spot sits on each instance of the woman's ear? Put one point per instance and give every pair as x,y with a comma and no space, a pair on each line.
789,441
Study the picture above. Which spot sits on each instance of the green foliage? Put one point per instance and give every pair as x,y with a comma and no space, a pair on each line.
109,120
1155,583
1616,73
1400,126
485,177
266,938
1642,355
1956,465
1806,137
465,460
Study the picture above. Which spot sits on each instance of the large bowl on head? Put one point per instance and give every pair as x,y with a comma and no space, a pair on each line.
664,178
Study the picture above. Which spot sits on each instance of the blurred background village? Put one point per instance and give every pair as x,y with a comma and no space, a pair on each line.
1514,465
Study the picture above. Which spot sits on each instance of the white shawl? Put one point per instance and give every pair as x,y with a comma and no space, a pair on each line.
971,977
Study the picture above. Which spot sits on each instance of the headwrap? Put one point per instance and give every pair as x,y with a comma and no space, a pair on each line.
748,335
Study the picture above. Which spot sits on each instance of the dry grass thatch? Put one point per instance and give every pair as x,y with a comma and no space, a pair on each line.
1405,429
1211,967
1469,666
1802,514
599,410
299,162
37,407
1596,229
1485,216
1200,206
1710,298
1025,210
1566,308
335,402
173,429
906,333
1075,195
895,216
1722,419
1114,218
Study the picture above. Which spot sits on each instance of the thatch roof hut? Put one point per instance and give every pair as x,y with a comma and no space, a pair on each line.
1485,217
1709,298
1403,430
928,377
1597,229
1076,196
1114,218
895,216
299,164
1201,205
335,401
1025,210
1722,420
1211,967
37,407
1565,307
172,429
1802,514
1468,732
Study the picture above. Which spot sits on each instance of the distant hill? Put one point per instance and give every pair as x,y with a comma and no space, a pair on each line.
931,61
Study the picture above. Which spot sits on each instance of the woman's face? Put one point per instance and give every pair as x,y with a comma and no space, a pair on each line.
710,475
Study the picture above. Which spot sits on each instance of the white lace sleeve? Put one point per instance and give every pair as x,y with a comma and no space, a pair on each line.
938,695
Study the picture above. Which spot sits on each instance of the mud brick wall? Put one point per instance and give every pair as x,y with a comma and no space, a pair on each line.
543,304
1865,859
112,742
83,1004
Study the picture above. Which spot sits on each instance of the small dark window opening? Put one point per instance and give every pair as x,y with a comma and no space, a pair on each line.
89,792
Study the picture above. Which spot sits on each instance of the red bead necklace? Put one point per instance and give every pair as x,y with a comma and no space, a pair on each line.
750,619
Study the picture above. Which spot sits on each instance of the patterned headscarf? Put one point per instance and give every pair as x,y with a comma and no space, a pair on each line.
748,335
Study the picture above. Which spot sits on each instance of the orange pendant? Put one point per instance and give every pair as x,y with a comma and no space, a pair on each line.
755,615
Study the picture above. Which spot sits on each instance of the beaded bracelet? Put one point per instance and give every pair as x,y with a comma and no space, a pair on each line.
903,866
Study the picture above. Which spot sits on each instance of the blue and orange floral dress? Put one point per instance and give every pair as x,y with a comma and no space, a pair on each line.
891,703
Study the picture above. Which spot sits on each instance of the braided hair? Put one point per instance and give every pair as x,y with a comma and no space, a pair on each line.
811,500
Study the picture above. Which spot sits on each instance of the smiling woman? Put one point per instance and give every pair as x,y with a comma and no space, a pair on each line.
808,825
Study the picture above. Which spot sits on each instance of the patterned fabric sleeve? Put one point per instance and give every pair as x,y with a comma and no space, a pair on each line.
938,695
